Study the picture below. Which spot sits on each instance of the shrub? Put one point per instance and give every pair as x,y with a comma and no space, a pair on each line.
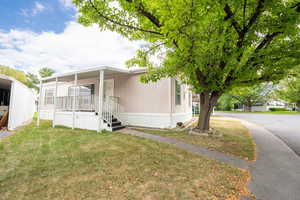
278,109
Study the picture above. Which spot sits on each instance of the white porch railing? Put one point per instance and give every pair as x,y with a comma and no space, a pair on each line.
87,103
111,109
82,103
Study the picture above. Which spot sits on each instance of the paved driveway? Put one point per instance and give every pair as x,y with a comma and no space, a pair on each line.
286,127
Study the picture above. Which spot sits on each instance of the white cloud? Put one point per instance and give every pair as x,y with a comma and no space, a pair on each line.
76,48
67,4
38,8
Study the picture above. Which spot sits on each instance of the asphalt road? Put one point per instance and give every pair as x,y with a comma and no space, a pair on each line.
285,127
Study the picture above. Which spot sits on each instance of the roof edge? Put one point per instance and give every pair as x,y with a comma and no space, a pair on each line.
140,70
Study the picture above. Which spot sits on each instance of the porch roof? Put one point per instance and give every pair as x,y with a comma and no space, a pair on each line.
90,73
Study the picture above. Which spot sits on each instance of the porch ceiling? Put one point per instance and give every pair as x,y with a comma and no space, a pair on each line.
85,74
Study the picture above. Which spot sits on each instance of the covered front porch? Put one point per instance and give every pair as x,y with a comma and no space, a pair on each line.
82,99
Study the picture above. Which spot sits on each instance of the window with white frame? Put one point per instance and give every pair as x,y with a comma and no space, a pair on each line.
49,97
177,93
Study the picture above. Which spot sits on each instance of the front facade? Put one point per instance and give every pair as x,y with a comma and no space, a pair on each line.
73,100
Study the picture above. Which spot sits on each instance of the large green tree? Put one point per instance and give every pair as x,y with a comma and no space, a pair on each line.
14,73
253,95
212,45
32,81
226,103
289,89
46,72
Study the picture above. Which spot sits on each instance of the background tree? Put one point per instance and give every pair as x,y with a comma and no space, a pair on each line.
250,96
46,72
14,73
211,45
226,102
32,81
289,90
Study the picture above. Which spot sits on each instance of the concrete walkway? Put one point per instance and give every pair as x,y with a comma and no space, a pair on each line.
275,174
234,161
4,134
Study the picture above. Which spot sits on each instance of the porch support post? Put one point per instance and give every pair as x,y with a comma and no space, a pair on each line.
39,104
171,102
100,103
74,100
55,103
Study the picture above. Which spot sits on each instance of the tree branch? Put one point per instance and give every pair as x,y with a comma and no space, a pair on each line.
253,19
267,40
147,14
297,6
255,15
233,21
121,24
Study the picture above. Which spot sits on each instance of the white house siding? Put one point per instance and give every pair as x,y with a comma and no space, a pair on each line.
22,105
259,108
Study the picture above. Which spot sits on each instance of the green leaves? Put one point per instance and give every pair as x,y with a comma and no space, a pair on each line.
46,72
214,46
289,88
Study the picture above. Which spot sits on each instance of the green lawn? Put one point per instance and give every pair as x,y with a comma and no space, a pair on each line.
47,163
236,139
265,112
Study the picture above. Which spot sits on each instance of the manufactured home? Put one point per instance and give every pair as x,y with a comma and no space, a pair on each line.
111,98
17,103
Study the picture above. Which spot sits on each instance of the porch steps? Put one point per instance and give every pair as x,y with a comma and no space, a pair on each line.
115,128
116,124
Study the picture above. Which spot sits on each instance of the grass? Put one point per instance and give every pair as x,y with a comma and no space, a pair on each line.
265,112
236,139
47,163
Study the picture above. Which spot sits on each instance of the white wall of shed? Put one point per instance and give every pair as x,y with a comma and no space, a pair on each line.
22,105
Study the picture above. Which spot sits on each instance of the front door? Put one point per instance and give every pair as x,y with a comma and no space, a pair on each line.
108,88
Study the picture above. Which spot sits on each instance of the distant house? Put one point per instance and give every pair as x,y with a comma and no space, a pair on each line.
73,100
271,103
17,103
265,106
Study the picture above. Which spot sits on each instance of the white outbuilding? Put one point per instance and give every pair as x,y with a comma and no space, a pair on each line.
17,103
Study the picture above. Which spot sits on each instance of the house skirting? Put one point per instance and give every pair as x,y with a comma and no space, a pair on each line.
154,120
89,121
83,120
46,114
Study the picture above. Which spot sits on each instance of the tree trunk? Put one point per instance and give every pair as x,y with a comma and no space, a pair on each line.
298,106
207,103
248,107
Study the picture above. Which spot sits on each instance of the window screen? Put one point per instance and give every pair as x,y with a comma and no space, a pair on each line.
49,97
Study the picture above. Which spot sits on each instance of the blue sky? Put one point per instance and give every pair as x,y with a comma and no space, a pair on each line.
37,16
45,33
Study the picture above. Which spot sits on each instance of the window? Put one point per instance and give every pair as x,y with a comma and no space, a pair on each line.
87,90
177,93
49,97
83,90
